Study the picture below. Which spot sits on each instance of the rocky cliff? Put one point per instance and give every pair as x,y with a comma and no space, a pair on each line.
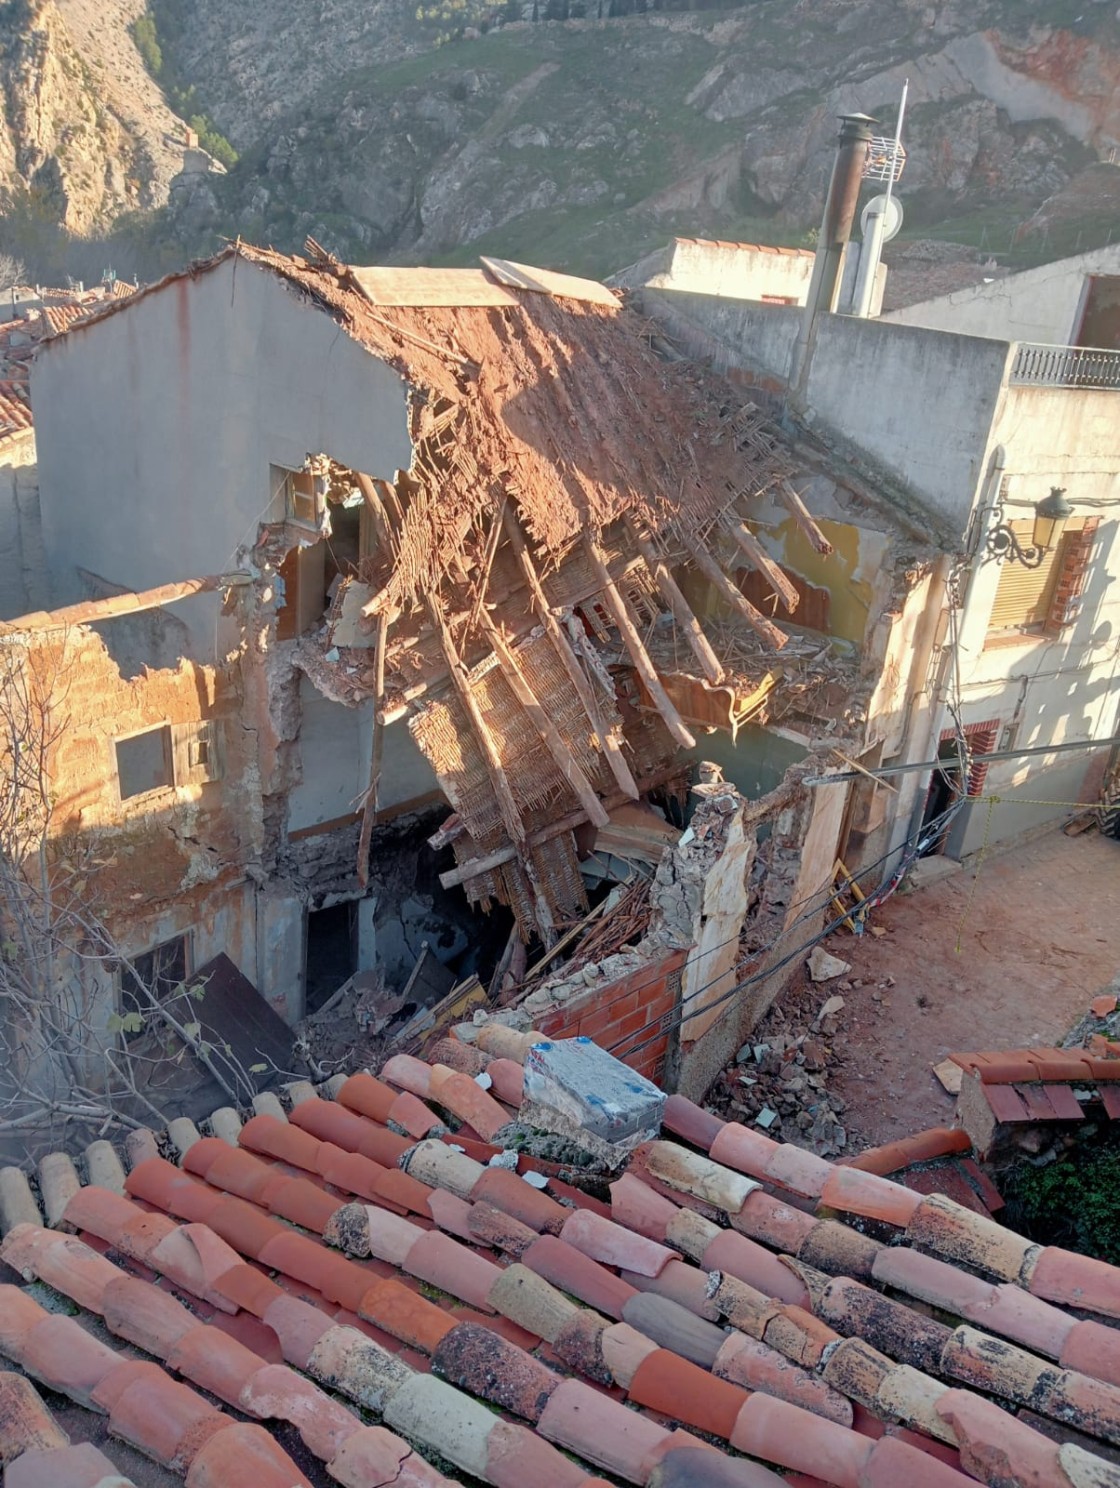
580,143
583,142
81,140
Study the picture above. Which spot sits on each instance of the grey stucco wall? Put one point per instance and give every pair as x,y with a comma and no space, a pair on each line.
734,335
1042,304
157,425
917,404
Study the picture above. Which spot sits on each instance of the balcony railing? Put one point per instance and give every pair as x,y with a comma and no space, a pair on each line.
1037,365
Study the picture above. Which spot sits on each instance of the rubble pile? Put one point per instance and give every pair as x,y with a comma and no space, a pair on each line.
778,1082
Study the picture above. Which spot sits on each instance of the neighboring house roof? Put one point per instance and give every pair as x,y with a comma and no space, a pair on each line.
56,310
727,1295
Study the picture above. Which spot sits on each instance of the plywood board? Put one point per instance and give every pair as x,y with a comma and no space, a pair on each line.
447,287
549,282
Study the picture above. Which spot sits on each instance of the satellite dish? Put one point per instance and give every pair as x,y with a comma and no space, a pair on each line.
893,216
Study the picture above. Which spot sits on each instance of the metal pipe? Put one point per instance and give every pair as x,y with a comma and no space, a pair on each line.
881,771
871,251
836,229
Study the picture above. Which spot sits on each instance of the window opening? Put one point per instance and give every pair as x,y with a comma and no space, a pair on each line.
158,973
144,762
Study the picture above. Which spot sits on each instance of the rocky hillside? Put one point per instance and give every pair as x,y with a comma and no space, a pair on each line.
580,143
84,134
583,143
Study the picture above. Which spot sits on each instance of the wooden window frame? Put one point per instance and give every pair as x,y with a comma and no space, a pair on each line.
164,728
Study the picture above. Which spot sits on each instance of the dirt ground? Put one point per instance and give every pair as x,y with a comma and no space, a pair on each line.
1006,956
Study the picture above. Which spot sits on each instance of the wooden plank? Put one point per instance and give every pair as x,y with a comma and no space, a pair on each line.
620,613
757,556
377,749
550,736
711,570
374,506
426,286
682,610
464,871
803,517
507,806
549,282
571,662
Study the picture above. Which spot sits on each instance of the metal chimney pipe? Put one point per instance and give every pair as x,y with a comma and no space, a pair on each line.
836,230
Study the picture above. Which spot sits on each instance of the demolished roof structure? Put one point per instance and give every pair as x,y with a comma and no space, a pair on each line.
392,1277
564,480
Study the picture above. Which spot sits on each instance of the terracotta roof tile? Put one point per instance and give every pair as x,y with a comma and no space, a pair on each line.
674,1327
406,1316
776,1431
214,1362
459,1094
161,1184
407,1073
513,1196
81,1466
508,1081
243,1453
600,1430
368,1097
247,1288
575,1273
298,1326
613,1245
244,1227
750,1262
145,1315
754,1365
195,1257
938,1141
1077,1281
1093,1349
280,1139
514,1459
1007,1071
1006,1103
25,1422
62,1261
324,1424
681,1283
443,1262
479,1361
956,1235
411,1114
682,1391
60,1354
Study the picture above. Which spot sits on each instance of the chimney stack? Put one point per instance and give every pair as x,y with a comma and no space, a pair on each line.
836,229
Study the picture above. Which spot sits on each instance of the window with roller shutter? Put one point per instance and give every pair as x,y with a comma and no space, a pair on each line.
1042,600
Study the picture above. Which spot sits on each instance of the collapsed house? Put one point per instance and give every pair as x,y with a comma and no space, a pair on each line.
400,595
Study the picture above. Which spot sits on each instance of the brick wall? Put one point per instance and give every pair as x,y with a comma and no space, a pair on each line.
632,1017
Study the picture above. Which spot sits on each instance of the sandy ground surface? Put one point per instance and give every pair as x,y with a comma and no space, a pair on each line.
1006,956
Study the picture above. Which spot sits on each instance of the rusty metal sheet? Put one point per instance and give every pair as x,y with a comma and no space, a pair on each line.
447,287
547,281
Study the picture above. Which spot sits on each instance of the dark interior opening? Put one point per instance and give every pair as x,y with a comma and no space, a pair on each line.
332,952
944,788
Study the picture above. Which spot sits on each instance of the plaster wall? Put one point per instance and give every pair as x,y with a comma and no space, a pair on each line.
334,745
157,426
23,570
913,406
1042,304
748,341
1053,688
739,271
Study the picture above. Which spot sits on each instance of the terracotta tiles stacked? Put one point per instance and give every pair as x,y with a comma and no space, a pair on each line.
1038,1085
728,1305
36,1453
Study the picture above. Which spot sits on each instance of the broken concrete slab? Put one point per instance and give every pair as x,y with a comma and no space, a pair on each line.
823,966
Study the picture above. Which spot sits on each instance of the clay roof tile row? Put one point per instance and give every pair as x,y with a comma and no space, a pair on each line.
829,1349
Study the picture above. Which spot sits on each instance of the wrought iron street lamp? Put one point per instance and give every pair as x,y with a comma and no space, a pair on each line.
1050,516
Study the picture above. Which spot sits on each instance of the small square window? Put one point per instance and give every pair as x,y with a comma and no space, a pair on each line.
144,762
158,974
301,501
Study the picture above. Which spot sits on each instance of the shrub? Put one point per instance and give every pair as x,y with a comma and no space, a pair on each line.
1071,1201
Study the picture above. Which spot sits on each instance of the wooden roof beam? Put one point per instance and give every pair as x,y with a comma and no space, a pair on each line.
682,610
759,559
377,749
803,517
550,736
620,613
708,566
571,662
499,780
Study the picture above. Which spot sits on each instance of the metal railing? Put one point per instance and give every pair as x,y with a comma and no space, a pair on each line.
1037,365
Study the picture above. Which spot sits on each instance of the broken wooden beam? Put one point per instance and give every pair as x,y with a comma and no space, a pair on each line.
708,566
499,780
374,506
377,749
803,517
682,610
759,559
92,610
620,613
550,736
571,662
462,872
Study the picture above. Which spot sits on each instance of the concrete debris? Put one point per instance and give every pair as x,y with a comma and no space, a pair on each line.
829,1010
823,966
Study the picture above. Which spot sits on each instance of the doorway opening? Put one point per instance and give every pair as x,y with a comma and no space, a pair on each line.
945,785
331,954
